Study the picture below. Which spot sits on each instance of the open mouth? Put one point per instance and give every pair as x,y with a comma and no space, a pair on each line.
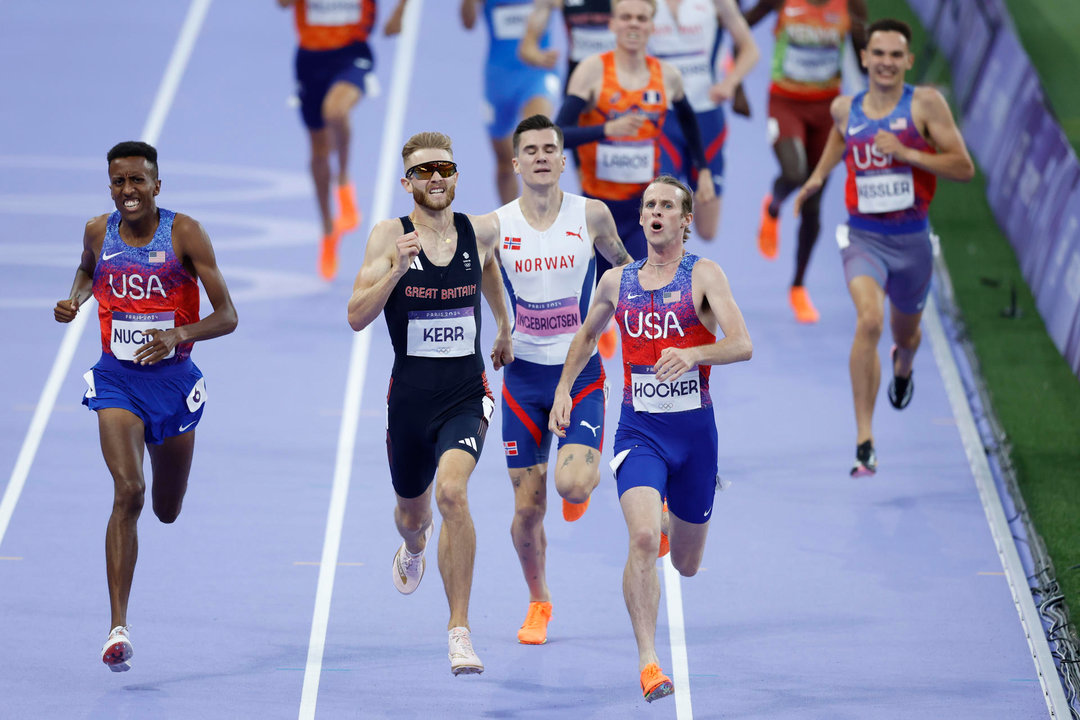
131,204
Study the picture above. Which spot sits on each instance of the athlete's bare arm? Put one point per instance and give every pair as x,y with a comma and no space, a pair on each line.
192,246
755,14
605,234
583,346
934,120
715,307
529,48
746,53
586,79
468,13
673,88
386,260
393,23
858,14
486,228
82,287
831,155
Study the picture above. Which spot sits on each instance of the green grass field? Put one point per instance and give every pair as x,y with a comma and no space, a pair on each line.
1034,393
1050,31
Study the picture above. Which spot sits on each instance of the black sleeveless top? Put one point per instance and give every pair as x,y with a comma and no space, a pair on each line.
433,315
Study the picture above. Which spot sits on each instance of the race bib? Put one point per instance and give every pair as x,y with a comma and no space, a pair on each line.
545,319
129,332
508,21
625,163
811,63
333,12
442,333
586,41
653,396
886,191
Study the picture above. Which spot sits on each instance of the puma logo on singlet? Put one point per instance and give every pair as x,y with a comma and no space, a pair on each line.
594,428
576,234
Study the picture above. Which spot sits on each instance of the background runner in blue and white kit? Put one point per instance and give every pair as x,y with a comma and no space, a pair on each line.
689,37
512,89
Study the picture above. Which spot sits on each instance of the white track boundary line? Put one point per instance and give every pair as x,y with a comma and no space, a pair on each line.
1053,693
174,71
680,665
384,183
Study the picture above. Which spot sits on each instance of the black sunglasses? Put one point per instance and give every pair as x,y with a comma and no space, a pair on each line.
424,171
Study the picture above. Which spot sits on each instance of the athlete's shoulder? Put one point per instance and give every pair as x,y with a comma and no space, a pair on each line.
97,225
384,233
706,270
841,107
927,96
184,223
485,227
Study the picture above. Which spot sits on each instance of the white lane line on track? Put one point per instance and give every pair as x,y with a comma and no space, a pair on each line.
384,183
162,103
1056,702
680,665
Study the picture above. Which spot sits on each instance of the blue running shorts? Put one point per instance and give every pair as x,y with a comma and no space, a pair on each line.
673,453
528,389
902,264
169,399
674,159
318,70
506,92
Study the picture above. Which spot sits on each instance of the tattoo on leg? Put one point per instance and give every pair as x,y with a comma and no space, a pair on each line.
568,459
589,458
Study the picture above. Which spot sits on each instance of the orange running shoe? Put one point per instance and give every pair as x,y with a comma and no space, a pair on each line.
654,683
665,546
805,312
609,340
328,260
534,630
768,236
350,215
573,511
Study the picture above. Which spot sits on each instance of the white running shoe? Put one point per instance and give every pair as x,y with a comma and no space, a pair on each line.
463,659
408,569
117,651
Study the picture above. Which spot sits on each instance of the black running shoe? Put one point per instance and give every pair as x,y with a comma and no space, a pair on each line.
900,389
865,460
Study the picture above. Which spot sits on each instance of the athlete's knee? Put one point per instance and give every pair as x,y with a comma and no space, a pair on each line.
452,498
645,541
869,322
530,515
868,327
576,484
129,494
336,115
793,174
687,566
167,511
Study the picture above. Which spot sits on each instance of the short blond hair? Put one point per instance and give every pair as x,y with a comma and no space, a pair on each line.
426,141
